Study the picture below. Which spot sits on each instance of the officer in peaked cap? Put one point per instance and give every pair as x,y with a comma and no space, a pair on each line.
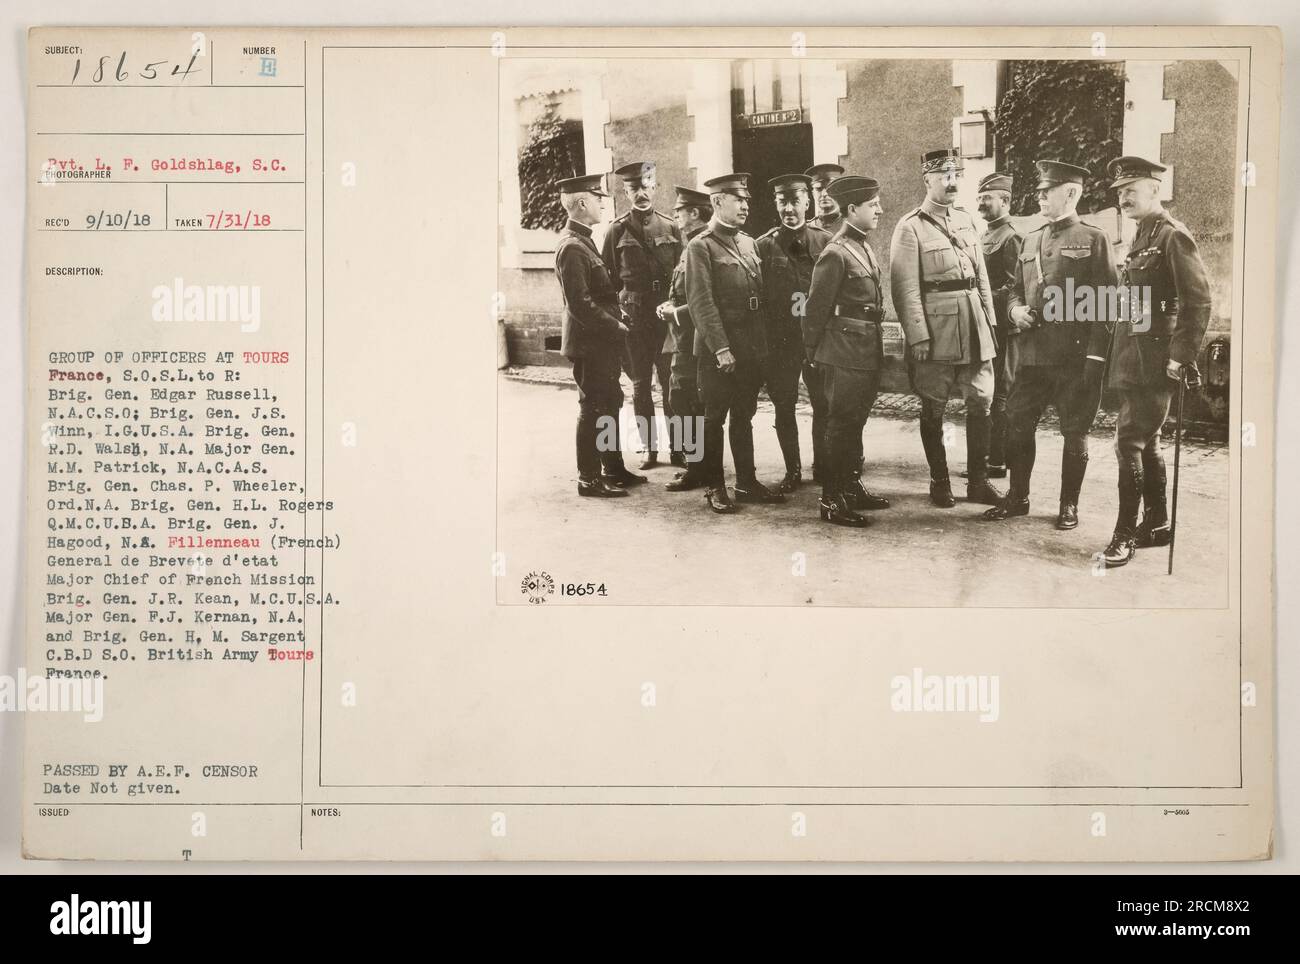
788,253
828,216
692,211
1152,352
941,293
724,291
1000,244
593,336
842,338
641,247
1059,357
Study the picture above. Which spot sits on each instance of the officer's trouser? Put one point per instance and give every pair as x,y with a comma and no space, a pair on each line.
812,377
687,407
643,359
849,396
599,399
782,379
733,394
1142,414
1035,387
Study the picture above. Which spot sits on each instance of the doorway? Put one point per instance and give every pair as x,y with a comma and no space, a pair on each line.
765,152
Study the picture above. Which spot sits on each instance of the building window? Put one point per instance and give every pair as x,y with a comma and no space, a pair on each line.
551,148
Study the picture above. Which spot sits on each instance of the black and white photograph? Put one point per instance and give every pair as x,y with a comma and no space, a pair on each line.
941,332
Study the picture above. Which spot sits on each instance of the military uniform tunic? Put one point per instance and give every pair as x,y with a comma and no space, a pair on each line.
641,248
1060,262
1001,244
941,292
724,291
592,340
787,257
841,335
1163,258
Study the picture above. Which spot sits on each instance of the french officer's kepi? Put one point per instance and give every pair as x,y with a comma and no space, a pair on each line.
1052,173
582,184
690,198
853,189
634,172
946,158
997,181
737,184
822,173
790,182
1126,170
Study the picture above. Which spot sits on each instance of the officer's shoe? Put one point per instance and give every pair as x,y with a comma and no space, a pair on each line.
997,471
719,501
941,493
1121,550
684,482
755,491
1008,508
623,479
859,498
598,489
837,511
982,493
1154,529
649,460
791,481
677,460
1068,518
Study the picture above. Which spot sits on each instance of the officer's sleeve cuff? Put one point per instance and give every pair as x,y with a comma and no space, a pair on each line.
1096,358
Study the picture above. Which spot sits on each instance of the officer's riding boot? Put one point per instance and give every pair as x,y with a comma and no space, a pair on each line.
935,455
685,481
590,483
752,490
997,441
615,472
1016,501
748,488
834,505
978,489
821,459
1073,466
1154,528
857,495
677,456
1122,547
719,500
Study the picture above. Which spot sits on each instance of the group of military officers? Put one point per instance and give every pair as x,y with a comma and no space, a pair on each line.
718,316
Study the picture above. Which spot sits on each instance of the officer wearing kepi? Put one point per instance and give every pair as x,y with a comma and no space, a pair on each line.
1058,308
829,218
641,247
1152,352
1001,246
692,212
788,252
593,337
941,293
842,338
724,291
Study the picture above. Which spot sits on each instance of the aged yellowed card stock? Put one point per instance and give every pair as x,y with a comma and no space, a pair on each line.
686,444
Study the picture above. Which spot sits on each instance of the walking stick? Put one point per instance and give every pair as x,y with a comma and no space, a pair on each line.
1178,446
